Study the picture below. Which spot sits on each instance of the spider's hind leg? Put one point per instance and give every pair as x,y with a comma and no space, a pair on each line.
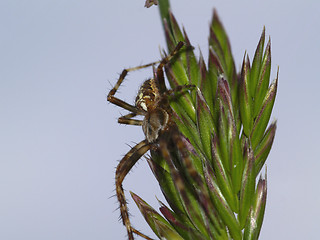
123,168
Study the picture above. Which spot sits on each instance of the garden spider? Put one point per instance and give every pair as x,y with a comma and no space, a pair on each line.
152,102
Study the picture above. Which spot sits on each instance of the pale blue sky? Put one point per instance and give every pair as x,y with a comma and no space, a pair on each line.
60,141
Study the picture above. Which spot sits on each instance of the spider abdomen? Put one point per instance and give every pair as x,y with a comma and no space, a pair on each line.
154,123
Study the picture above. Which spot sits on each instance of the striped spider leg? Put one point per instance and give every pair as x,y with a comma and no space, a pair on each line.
152,102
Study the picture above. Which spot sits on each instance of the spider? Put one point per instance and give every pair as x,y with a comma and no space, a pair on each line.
152,102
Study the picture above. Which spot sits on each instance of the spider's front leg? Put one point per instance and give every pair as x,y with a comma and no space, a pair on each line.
117,101
159,71
123,168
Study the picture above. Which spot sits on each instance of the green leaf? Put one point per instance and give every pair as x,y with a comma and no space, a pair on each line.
223,137
187,126
262,150
209,79
222,109
263,117
222,207
254,223
236,159
177,77
263,80
256,65
171,43
227,130
177,34
237,164
245,100
220,43
164,7
166,183
157,223
205,124
184,230
222,176
248,184
193,69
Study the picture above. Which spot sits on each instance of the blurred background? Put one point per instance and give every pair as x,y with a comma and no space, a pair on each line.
59,138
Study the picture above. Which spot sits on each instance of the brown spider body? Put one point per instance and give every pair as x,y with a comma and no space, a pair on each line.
152,103
157,110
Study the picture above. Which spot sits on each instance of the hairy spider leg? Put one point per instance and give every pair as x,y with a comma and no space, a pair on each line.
123,168
127,119
159,71
174,93
141,234
111,98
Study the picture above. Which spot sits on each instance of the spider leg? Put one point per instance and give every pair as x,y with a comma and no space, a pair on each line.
111,98
163,62
141,234
178,90
127,119
125,105
123,168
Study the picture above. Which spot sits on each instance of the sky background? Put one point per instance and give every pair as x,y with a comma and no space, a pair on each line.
59,138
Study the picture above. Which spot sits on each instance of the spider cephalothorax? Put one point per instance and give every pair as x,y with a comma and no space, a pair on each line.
152,102
148,95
